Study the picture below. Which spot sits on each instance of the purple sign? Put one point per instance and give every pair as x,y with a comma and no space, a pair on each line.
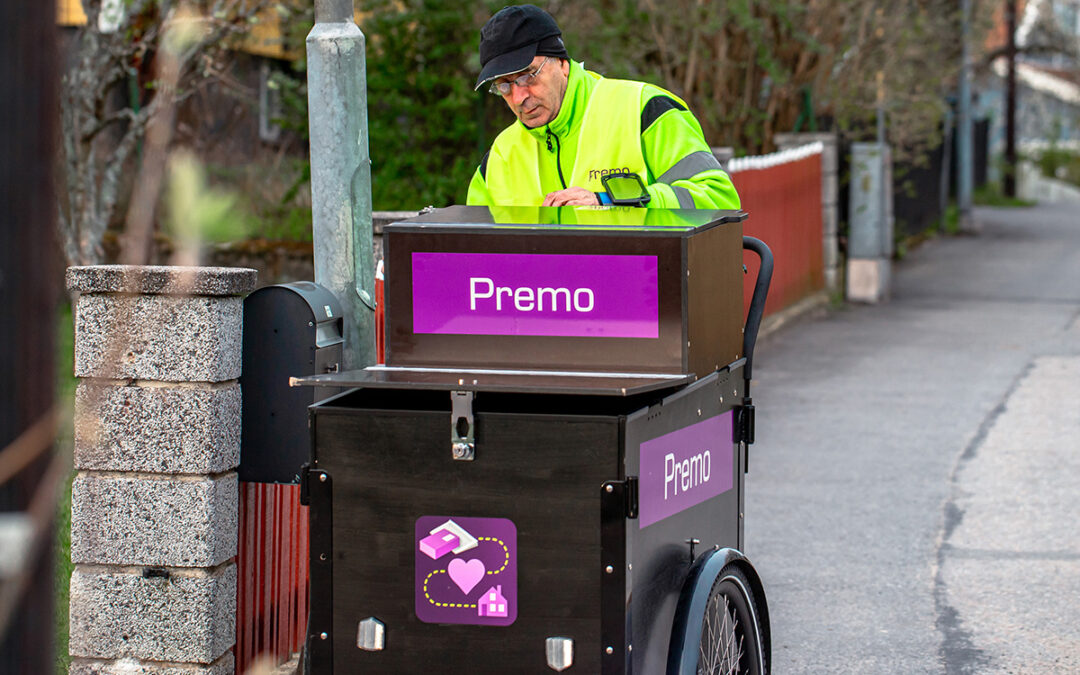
535,294
466,570
684,468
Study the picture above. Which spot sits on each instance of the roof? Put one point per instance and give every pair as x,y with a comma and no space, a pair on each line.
70,13
1042,80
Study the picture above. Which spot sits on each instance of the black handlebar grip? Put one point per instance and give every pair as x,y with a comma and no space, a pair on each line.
757,301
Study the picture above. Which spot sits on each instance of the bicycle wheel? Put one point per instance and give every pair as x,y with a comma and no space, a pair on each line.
730,630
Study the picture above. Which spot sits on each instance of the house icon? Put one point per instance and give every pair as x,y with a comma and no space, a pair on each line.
492,603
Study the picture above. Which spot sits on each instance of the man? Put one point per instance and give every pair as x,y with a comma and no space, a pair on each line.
574,127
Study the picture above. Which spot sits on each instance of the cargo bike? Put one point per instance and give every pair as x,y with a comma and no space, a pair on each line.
547,473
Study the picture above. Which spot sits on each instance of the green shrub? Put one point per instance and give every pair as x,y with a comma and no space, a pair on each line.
427,128
1055,162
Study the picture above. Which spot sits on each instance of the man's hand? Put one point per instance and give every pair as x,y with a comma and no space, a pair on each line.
574,195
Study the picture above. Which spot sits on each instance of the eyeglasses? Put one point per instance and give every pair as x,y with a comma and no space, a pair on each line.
503,88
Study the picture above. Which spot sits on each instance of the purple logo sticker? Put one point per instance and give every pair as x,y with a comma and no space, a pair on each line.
684,468
466,570
535,294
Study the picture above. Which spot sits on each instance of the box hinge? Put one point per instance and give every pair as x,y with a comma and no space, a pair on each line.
631,497
628,489
320,623
305,485
744,422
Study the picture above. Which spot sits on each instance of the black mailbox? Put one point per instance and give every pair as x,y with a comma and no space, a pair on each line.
290,330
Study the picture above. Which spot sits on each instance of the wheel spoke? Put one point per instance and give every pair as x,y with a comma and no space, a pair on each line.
721,638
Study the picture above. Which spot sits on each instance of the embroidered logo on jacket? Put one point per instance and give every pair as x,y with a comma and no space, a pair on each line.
596,174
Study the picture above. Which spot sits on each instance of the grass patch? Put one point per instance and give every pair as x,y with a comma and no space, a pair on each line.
64,569
65,398
837,301
950,220
990,195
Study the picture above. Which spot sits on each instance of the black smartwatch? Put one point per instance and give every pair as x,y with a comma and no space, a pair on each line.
625,189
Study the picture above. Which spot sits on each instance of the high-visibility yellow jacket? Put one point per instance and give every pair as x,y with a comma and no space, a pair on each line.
606,125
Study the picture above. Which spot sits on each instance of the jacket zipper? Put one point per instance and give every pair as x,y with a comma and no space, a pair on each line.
558,156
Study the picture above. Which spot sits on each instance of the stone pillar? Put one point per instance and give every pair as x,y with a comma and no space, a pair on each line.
830,192
157,441
870,223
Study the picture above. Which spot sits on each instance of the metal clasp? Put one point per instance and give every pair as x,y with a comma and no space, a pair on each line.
462,440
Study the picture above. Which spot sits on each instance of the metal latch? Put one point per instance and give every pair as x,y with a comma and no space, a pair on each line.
744,422
462,441
744,429
629,490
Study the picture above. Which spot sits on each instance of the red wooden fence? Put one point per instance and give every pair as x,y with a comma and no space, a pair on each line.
272,569
782,194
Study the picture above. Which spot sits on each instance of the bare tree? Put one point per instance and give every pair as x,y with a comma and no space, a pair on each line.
120,83
745,66
752,68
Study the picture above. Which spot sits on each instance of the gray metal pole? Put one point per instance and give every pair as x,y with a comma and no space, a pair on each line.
946,165
965,160
341,173
1009,183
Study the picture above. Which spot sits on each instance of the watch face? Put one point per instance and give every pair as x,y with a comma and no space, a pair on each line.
624,187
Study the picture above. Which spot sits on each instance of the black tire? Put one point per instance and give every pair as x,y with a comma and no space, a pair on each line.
731,630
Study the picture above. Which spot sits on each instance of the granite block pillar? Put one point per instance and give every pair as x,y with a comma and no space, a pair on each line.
157,443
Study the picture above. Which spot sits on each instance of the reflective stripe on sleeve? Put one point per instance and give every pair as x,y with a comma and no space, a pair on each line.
686,201
690,166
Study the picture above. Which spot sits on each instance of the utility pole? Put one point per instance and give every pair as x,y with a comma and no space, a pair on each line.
341,173
946,163
965,161
1009,180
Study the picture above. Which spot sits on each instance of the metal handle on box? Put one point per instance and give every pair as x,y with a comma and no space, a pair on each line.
757,302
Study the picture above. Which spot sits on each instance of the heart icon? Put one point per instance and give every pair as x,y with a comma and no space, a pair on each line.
466,574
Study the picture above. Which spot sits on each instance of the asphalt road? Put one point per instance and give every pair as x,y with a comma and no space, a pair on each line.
913,503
